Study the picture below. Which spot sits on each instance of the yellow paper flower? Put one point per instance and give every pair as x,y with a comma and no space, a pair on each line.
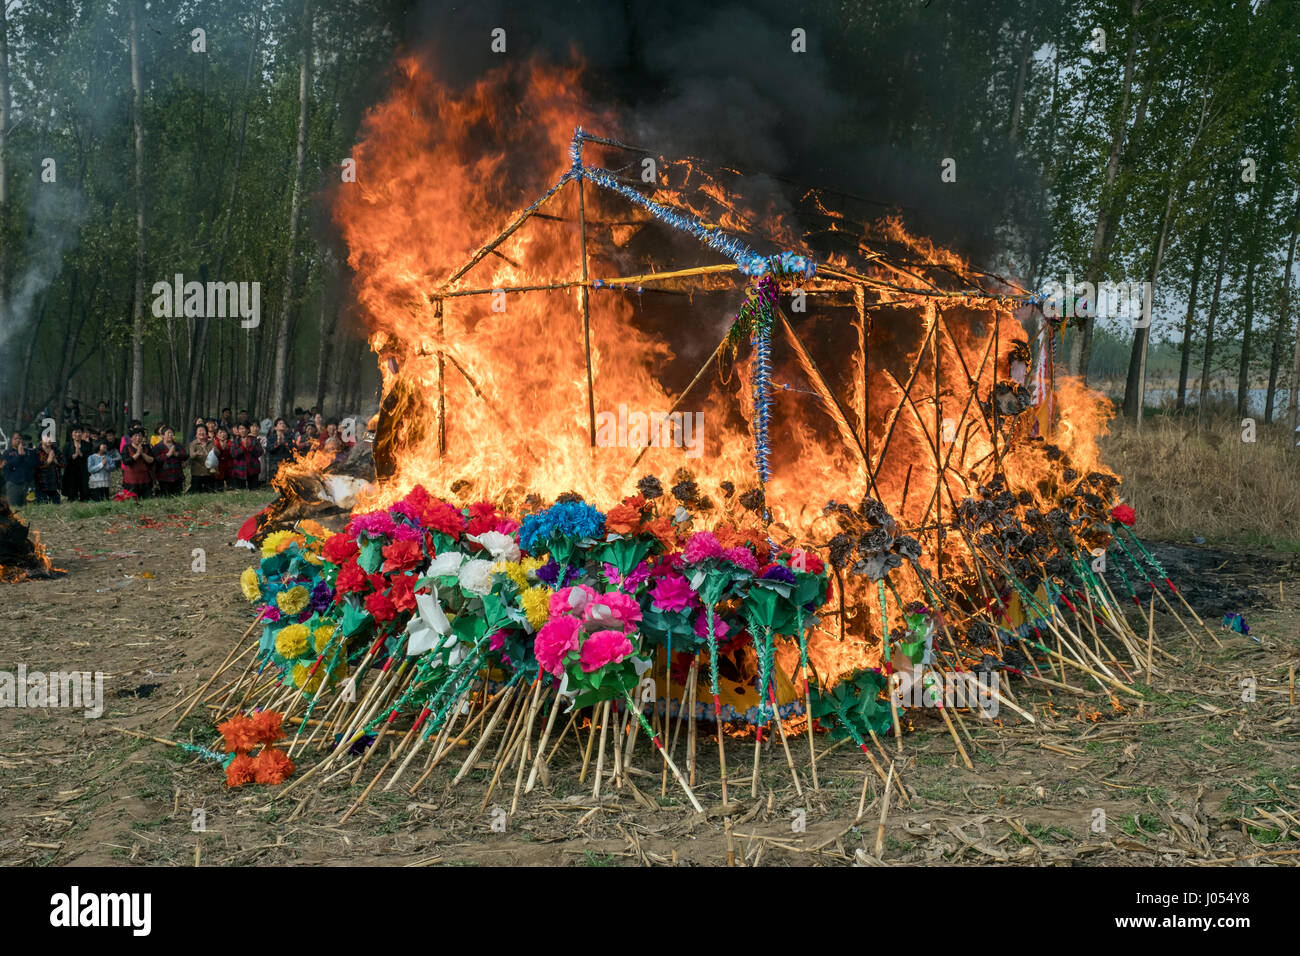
291,641
249,585
513,570
293,600
321,637
276,541
536,603
302,677
530,565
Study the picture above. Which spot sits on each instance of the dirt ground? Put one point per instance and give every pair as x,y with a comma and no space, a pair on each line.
1192,774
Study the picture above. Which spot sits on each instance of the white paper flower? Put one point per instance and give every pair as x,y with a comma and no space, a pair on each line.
448,562
502,547
476,576
427,626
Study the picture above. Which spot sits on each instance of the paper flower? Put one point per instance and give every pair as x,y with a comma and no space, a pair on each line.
556,639
249,585
242,770
671,593
571,600
402,556
701,546
402,593
277,541
502,547
476,576
742,558
1123,514
239,734
268,725
291,641
376,524
339,548
571,519
306,678
321,637
536,604
426,628
272,766
380,606
293,600
351,579
604,647
614,609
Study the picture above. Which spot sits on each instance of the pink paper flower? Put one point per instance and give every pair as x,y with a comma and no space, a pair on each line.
742,558
603,647
720,627
614,608
571,600
375,524
557,637
702,546
672,593
497,640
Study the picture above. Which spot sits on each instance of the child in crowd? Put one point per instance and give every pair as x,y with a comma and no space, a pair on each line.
100,467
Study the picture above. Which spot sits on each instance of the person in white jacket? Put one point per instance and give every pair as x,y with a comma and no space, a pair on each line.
101,465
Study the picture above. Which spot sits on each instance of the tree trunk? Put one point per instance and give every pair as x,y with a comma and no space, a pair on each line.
1135,387
1281,325
1206,360
279,388
1243,369
137,311
328,323
1081,343
1018,97
1185,358
20,418
4,175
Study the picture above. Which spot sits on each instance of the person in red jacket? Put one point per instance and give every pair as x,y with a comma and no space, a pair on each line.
225,460
137,465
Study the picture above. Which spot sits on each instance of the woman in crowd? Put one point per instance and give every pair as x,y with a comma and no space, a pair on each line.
170,466
49,469
253,452
201,476
279,448
225,459
137,465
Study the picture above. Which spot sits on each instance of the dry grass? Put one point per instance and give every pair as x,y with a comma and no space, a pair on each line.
1210,483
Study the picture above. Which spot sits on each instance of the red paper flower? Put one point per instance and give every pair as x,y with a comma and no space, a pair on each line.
240,734
268,725
339,548
626,517
381,606
440,516
242,770
402,593
351,579
402,555
1123,514
272,766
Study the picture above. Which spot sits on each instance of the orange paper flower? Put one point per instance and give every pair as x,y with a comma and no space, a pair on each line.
268,725
240,734
242,770
272,766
